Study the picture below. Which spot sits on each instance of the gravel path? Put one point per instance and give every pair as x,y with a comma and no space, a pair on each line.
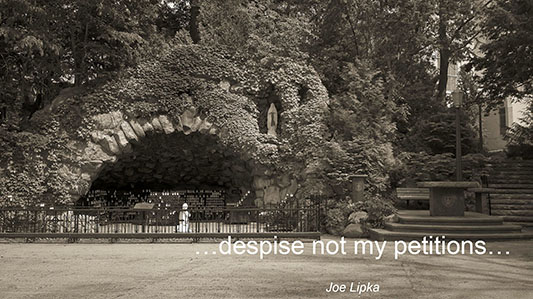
177,271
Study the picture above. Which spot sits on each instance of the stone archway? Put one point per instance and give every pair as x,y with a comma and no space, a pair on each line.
157,153
122,140
191,91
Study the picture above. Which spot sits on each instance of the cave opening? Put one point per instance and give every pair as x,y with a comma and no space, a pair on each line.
172,169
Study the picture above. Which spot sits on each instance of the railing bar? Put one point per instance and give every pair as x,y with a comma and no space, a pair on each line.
127,220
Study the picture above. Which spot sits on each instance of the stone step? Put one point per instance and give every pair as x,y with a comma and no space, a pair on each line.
525,172
495,207
511,196
509,181
513,201
511,170
443,220
504,192
527,225
382,235
511,186
454,229
493,177
511,162
525,163
510,167
521,212
518,218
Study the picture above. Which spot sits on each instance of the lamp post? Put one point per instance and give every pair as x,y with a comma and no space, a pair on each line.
457,97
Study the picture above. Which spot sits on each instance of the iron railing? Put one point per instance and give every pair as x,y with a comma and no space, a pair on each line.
126,221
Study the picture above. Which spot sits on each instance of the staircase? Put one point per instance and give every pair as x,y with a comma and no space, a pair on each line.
414,225
513,200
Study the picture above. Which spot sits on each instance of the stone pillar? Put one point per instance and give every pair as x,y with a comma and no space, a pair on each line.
446,198
482,203
446,202
358,187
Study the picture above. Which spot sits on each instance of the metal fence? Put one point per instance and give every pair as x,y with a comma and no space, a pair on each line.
84,222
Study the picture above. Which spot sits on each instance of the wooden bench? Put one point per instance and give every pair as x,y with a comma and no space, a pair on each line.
415,194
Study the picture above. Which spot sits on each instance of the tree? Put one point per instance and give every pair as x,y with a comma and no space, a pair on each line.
362,127
101,37
505,64
520,136
194,29
456,29
474,99
49,45
436,134
30,55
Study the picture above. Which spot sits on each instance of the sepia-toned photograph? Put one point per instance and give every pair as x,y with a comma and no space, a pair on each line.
266,149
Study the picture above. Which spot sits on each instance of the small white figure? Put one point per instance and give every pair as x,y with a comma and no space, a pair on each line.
183,218
272,120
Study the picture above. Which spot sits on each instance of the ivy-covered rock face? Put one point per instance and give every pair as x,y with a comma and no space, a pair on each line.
190,108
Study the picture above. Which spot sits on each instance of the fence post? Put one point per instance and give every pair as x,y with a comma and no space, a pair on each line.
143,221
319,214
258,220
77,225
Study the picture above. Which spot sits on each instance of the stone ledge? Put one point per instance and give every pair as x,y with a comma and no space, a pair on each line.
448,184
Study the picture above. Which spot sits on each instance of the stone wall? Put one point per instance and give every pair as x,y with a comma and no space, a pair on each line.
194,94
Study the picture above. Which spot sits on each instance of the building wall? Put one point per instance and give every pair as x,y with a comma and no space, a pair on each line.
519,110
497,121
492,124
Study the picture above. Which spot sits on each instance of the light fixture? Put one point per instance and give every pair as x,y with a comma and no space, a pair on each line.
457,97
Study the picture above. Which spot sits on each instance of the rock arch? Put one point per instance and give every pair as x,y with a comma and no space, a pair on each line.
119,137
189,90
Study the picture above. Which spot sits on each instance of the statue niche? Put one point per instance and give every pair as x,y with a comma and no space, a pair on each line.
270,110
272,120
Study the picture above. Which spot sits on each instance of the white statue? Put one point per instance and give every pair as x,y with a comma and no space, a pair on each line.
183,217
272,120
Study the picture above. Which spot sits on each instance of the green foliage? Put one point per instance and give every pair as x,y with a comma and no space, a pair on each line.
185,75
376,208
29,168
421,166
336,220
361,126
505,61
262,30
226,22
390,99
520,136
47,45
436,134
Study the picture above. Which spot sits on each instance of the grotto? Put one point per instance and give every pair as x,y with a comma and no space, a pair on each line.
192,118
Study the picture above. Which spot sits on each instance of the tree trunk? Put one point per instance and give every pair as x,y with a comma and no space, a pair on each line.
480,106
194,30
443,73
444,53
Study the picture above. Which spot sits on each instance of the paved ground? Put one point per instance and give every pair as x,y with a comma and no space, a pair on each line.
176,271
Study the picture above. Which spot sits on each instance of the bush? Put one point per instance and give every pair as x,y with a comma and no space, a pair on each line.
520,137
336,220
377,208
417,167
524,151
435,134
